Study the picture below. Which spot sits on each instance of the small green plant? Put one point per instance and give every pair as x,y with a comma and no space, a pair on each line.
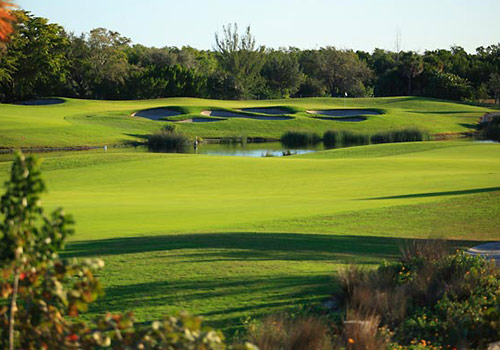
171,127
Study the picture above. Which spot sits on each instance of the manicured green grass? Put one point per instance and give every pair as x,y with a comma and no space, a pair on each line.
88,122
230,237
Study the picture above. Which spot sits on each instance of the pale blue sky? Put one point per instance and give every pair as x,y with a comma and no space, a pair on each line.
356,24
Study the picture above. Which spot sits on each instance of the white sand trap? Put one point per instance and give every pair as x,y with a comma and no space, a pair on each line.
156,113
42,102
227,114
345,112
346,119
487,250
268,110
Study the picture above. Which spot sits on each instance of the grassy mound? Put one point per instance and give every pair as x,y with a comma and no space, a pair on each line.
88,123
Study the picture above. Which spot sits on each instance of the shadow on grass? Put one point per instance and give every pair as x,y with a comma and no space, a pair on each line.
213,291
438,194
470,126
257,246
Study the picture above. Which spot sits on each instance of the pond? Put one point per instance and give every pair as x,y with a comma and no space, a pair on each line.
270,149
260,149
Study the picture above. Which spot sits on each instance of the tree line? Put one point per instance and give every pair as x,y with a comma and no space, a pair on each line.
42,59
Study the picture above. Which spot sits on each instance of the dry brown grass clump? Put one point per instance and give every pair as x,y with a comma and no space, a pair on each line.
361,332
284,333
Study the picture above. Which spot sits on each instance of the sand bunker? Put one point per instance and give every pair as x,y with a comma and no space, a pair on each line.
345,112
487,250
227,114
346,119
156,113
42,102
267,110
197,120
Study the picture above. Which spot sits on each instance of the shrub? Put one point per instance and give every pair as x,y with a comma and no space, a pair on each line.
448,86
166,141
403,135
386,300
332,139
171,127
429,295
354,139
300,139
361,332
335,138
427,249
286,333
490,129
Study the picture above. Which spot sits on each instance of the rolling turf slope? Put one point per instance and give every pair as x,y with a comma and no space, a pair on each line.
230,237
91,123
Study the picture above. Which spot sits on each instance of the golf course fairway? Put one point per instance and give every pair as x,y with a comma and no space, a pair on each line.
232,237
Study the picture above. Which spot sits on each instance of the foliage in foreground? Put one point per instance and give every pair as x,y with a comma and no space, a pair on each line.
429,297
41,295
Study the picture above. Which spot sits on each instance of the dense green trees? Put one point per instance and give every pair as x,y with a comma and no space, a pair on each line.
35,61
339,71
282,73
41,59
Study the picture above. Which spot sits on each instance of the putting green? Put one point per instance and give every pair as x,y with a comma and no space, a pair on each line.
91,123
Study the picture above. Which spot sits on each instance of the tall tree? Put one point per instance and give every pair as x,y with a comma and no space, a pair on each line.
494,85
241,59
282,72
106,62
341,71
35,63
413,66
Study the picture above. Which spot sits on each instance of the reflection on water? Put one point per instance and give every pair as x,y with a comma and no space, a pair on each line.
269,149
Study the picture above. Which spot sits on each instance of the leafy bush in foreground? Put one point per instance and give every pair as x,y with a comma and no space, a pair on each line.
429,297
41,295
